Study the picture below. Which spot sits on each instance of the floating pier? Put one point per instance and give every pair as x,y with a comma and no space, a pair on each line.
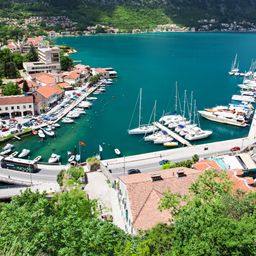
172,134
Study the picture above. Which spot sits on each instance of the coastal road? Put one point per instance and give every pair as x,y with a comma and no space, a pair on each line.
150,161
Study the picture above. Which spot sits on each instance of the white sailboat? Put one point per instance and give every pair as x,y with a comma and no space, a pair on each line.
141,129
41,134
234,67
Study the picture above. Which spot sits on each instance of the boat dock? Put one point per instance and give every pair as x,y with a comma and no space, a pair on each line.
172,134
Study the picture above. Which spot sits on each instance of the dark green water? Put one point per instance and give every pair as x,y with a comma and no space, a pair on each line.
199,61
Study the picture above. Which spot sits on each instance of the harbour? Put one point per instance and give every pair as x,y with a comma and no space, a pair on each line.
94,128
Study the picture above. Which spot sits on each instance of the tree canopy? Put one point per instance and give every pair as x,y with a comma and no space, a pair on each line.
66,63
10,89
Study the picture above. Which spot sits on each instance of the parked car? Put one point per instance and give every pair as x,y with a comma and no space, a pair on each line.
235,149
133,171
164,161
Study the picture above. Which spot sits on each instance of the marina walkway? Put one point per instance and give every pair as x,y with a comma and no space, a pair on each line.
172,134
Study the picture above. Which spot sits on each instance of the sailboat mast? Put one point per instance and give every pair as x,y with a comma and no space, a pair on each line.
154,117
191,105
194,117
176,99
184,104
140,107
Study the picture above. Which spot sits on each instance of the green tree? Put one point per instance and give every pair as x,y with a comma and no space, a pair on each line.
67,224
66,63
18,59
32,55
11,89
25,87
215,221
11,70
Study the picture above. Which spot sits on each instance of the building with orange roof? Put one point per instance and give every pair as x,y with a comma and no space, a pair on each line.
65,86
18,105
44,78
72,77
207,164
139,195
32,85
46,97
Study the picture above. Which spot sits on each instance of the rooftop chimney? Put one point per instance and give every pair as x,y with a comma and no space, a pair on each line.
181,173
156,177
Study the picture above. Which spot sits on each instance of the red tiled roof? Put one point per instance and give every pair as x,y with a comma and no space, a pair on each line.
45,78
244,184
35,41
73,75
48,91
144,194
204,165
13,100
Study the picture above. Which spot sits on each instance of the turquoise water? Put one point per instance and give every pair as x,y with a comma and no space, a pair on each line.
198,61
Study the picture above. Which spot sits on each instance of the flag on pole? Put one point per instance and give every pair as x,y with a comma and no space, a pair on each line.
81,143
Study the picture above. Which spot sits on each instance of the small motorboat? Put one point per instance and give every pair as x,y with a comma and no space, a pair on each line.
41,134
73,114
15,153
54,158
37,159
117,151
91,98
71,158
67,120
49,132
6,152
8,146
56,125
25,152
171,144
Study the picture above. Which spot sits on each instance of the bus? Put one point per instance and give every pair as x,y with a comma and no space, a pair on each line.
18,164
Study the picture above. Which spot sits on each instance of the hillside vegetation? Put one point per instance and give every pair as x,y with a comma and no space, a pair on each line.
133,14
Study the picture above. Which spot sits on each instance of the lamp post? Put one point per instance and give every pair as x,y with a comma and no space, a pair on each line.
124,164
30,171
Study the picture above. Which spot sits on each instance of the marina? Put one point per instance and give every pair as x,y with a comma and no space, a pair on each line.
115,105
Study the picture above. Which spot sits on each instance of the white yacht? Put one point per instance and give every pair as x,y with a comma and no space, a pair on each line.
163,139
73,114
67,120
49,132
8,146
234,67
197,133
54,158
24,153
243,98
224,117
41,134
153,136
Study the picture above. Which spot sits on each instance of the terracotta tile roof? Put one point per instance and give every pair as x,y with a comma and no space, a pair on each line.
13,100
73,75
45,78
204,165
144,194
35,41
241,183
48,91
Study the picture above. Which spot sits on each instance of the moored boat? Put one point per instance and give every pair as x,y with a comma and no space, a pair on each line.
8,146
67,120
37,159
117,151
54,158
171,144
25,152
6,152
41,134
49,132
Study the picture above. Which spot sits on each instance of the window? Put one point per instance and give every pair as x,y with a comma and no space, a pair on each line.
30,106
12,107
24,106
0,109
6,108
18,107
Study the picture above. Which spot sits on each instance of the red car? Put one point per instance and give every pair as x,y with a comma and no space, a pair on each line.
235,149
